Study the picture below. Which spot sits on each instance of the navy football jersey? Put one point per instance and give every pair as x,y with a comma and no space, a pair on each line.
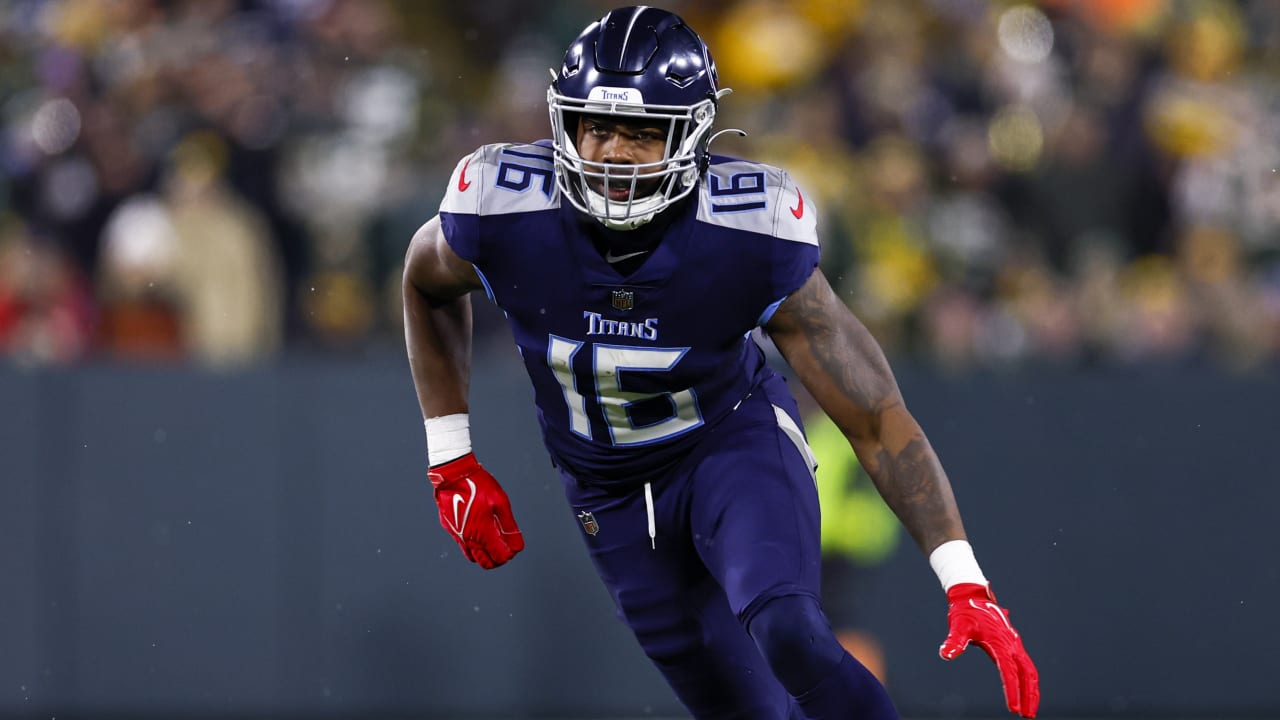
629,370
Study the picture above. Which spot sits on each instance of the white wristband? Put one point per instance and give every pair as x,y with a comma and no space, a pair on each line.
448,438
954,563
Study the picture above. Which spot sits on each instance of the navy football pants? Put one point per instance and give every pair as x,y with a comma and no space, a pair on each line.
736,548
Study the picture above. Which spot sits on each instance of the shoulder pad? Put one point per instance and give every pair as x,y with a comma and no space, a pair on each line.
757,198
502,179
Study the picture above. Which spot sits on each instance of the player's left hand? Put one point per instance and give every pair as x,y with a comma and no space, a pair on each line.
476,511
975,617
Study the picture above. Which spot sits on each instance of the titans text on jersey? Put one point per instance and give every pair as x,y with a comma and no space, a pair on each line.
598,324
617,402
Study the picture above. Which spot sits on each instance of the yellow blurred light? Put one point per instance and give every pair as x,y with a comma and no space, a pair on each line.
81,25
897,271
198,161
1151,284
832,17
763,45
1016,138
1186,126
1207,47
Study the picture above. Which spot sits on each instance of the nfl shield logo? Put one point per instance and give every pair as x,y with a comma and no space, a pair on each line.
624,300
589,522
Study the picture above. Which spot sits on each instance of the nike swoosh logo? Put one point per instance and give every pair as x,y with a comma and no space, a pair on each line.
798,210
462,179
460,523
995,610
609,257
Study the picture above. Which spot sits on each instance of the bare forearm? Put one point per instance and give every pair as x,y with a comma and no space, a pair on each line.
863,399
844,368
438,340
911,480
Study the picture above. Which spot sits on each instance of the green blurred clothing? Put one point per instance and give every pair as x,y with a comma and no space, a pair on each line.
856,523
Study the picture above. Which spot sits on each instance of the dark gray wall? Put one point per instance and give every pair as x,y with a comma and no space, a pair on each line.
179,542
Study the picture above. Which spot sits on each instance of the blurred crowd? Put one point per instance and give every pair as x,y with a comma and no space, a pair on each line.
999,183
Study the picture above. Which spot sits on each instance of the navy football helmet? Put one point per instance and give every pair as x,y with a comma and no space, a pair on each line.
634,63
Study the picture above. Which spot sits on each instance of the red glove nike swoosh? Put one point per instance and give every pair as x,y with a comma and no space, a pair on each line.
975,617
476,511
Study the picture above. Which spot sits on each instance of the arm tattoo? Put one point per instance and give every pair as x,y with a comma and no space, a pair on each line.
914,486
846,365
830,340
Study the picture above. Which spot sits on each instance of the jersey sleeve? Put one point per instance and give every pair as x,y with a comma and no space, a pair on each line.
775,223
489,191
460,208
796,251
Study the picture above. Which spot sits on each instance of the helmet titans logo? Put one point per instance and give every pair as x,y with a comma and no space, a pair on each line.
631,96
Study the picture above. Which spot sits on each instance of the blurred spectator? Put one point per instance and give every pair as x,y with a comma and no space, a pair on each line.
45,309
137,288
192,272
227,273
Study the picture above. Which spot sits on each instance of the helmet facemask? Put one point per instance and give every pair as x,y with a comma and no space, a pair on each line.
673,177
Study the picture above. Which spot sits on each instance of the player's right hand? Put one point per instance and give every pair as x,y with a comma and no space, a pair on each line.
476,511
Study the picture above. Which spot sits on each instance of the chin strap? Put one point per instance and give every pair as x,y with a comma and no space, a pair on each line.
629,224
642,211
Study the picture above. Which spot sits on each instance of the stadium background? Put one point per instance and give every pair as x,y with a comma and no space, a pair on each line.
1061,218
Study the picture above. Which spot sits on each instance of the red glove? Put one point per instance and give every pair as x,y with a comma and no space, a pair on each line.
975,617
475,510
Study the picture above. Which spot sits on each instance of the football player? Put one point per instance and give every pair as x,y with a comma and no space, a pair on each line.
633,266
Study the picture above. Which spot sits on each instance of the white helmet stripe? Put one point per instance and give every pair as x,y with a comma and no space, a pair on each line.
638,11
